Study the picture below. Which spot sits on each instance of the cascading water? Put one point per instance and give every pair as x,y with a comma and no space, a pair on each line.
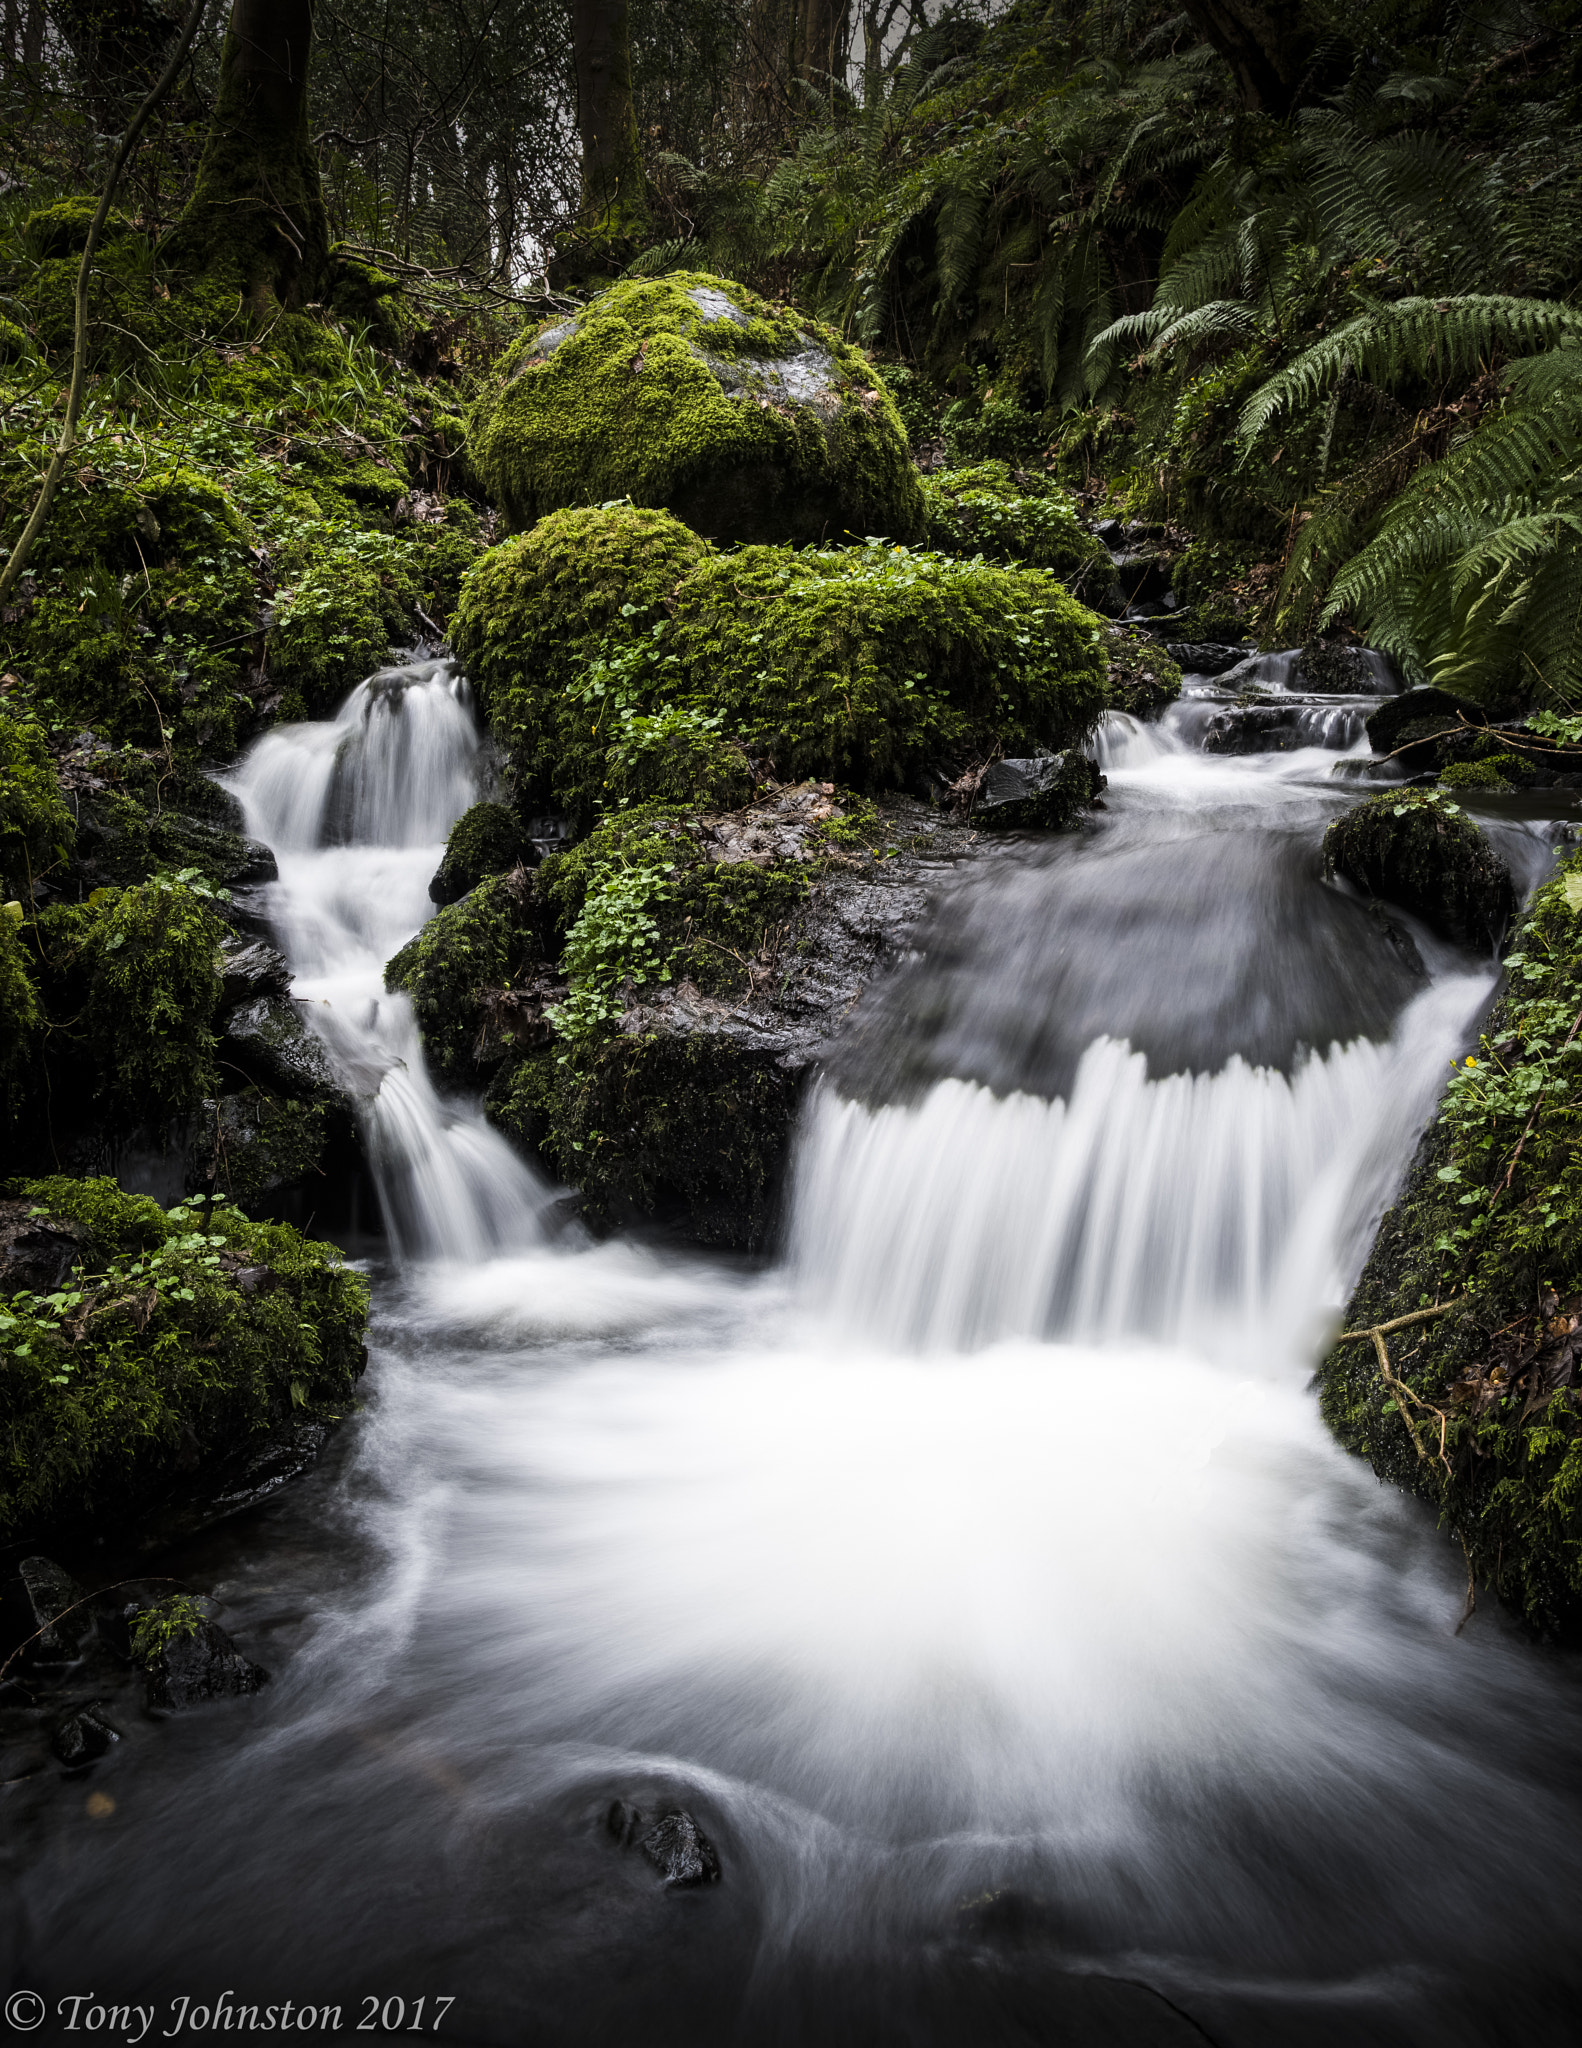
357,810
982,1578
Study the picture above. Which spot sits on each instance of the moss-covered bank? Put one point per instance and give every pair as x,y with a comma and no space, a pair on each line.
1490,1225
177,1339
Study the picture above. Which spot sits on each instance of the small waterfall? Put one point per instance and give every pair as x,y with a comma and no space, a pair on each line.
1200,1209
357,809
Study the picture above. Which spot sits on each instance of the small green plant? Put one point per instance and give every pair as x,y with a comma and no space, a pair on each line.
155,1630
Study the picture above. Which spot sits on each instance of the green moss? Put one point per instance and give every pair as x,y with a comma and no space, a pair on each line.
1142,677
62,229
1417,849
483,942
1015,517
133,974
36,829
483,841
153,1356
258,1144
21,1015
1491,1221
679,391
869,664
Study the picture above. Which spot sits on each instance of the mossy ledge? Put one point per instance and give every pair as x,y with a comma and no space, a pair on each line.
171,1341
747,419
1489,1227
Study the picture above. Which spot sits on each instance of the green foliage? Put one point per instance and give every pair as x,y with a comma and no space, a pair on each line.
1491,1220
21,1015
175,1619
1015,517
688,392
870,664
36,829
133,973
152,1348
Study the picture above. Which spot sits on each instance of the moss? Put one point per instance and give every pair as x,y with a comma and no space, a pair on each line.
36,829
1007,515
483,942
1421,851
689,391
1493,771
155,1356
1490,1221
136,973
258,1144
869,665
20,1012
483,841
1142,677
62,229
689,1130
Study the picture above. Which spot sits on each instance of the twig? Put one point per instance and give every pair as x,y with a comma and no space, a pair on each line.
153,1579
79,361
1402,1392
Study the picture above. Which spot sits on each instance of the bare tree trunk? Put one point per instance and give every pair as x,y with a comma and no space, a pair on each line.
1266,46
258,210
614,194
825,29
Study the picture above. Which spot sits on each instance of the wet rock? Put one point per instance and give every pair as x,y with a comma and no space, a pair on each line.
52,1592
251,968
1425,729
268,1039
197,1663
1419,851
1143,678
1049,792
82,1736
225,857
1206,657
36,1252
674,1844
250,1146
1339,669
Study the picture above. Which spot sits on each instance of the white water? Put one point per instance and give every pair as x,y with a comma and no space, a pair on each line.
992,1540
357,810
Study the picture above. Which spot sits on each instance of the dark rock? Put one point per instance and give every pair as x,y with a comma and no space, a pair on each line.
251,1146
1435,711
1049,792
52,1592
487,840
1342,670
674,1844
252,967
1425,855
268,1040
203,1665
81,1737
1206,657
223,856
36,1252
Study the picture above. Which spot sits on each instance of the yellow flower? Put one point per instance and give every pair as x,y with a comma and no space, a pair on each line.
1471,1062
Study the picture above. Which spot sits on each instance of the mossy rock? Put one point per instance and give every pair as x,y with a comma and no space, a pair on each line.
193,1334
484,942
1426,725
1417,850
1489,771
1490,1223
62,229
870,665
21,1015
748,420
1143,678
483,841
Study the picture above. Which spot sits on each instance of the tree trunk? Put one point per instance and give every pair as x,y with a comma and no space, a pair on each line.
119,46
614,195
825,28
257,213
1266,47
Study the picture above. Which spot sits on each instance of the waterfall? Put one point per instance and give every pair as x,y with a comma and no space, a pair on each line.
357,810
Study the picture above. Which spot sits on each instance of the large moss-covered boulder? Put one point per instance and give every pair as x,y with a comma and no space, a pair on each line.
1015,516
748,420
610,645
1421,851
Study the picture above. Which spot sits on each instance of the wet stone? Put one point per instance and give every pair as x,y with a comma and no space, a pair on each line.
674,1844
36,1252
82,1737
252,968
58,1609
268,1038
205,1665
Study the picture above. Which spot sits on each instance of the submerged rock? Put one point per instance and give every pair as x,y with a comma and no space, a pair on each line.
82,1737
751,422
1419,851
673,1843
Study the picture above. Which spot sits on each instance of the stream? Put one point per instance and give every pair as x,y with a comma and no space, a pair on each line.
978,1573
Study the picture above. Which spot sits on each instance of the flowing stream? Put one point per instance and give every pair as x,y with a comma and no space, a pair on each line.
980,1575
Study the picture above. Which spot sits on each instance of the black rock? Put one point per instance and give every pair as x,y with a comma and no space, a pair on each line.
81,1737
268,1040
252,967
1048,792
674,1844
36,1252
1446,711
205,1665
52,1592
1205,657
